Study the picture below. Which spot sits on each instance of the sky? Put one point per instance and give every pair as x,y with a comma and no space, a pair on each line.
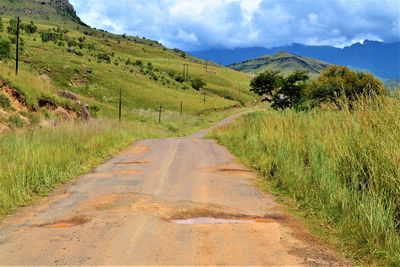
193,25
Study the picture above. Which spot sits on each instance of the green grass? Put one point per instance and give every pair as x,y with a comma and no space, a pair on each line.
38,159
98,83
341,168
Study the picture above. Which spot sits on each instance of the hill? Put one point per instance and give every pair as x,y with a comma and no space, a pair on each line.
382,59
282,61
93,65
43,10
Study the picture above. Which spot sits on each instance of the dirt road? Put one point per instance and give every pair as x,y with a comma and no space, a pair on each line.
177,201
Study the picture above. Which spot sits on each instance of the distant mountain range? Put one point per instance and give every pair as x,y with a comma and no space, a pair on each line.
382,59
282,61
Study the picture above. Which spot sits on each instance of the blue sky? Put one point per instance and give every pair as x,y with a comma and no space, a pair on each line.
203,24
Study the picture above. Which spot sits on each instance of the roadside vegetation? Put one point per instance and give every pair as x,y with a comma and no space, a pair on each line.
337,160
37,159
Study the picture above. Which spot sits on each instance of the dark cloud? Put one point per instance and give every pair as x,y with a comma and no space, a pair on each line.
201,24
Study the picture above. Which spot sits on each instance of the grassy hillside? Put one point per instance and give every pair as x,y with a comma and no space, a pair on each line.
96,65
283,61
340,168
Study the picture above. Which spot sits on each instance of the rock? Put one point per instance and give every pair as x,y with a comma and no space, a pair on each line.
44,77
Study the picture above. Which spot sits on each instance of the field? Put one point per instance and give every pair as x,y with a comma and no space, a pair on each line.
339,168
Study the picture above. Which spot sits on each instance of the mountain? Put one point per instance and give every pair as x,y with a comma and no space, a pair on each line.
382,59
282,61
44,10
66,65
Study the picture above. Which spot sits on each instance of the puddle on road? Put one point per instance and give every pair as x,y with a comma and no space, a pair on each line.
210,220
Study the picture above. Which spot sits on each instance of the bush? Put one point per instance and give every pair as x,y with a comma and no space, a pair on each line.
340,85
1,25
198,83
93,110
5,103
16,121
30,28
49,37
5,49
12,27
179,78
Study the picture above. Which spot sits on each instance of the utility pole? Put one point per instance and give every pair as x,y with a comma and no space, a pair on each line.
204,93
120,105
207,65
17,49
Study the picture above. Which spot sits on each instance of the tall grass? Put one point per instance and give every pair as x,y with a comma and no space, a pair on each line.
342,167
32,162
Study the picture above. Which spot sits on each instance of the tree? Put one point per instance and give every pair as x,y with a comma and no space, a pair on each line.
5,49
282,92
337,84
266,84
198,83
291,91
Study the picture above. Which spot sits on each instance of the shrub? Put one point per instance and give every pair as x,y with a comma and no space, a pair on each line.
339,84
198,83
1,24
5,49
12,27
5,103
49,37
16,121
179,78
93,110
30,28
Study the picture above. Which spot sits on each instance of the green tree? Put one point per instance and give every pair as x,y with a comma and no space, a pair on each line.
282,92
339,84
266,84
5,49
198,83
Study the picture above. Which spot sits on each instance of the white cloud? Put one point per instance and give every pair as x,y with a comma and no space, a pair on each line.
200,24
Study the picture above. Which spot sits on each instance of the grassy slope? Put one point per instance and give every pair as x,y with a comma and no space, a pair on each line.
140,91
339,167
284,62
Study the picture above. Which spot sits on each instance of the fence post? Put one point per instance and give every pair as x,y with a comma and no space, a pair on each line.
181,108
120,105
159,115
17,50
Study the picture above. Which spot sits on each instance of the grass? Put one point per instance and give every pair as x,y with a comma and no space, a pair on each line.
98,82
38,159
340,167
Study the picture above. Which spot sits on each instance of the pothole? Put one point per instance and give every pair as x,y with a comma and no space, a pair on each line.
132,162
232,170
221,220
208,220
76,221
